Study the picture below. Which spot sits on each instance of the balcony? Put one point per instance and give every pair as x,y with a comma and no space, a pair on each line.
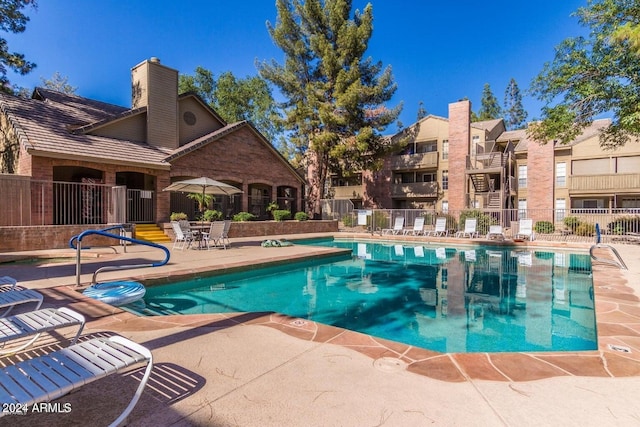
415,161
415,189
618,183
347,192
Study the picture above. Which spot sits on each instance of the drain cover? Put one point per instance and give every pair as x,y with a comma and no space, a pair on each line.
390,364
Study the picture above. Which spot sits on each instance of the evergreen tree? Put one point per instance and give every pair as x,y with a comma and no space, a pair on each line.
59,83
514,112
335,98
489,106
14,21
422,112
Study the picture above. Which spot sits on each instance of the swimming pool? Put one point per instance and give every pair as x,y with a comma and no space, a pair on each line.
444,299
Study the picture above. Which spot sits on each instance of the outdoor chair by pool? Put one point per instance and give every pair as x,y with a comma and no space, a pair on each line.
48,377
34,323
181,240
216,235
440,229
525,230
418,227
398,226
11,297
495,233
469,228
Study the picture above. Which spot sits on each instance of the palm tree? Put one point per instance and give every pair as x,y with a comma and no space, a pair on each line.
203,200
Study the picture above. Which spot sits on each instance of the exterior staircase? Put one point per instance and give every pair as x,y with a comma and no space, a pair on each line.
151,233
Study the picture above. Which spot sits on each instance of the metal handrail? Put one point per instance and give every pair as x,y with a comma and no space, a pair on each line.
79,237
620,263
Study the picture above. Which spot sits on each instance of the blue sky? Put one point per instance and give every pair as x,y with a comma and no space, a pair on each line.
440,52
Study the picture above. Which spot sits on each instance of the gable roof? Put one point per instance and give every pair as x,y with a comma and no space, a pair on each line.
220,133
44,127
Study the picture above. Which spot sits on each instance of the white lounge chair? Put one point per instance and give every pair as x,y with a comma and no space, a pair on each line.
440,229
216,235
525,230
469,228
495,233
418,227
48,377
11,298
398,225
35,323
182,240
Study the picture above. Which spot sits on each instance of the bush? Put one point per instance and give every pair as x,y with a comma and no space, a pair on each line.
572,222
178,216
281,214
347,220
212,215
301,216
585,229
244,216
544,227
483,220
625,224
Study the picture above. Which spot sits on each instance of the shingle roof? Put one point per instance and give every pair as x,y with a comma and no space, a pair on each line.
44,127
487,125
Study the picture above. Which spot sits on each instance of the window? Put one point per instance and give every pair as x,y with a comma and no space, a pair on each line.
445,179
445,149
429,177
522,208
476,148
522,176
561,174
561,206
445,206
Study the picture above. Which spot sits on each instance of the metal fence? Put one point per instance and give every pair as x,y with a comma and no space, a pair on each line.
577,225
29,202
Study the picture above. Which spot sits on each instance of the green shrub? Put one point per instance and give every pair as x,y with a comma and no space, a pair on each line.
244,216
483,223
625,224
544,227
212,215
347,220
178,216
585,229
301,216
572,222
281,214
380,221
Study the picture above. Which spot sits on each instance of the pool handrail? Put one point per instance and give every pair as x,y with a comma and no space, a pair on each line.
121,227
79,237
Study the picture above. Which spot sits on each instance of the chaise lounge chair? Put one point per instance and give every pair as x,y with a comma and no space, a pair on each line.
418,227
469,228
54,375
11,297
525,230
440,229
398,225
495,233
35,323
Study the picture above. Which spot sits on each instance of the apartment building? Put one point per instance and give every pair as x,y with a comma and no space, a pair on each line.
454,164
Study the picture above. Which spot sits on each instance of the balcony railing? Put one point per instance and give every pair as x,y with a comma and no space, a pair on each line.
415,161
603,183
347,192
415,189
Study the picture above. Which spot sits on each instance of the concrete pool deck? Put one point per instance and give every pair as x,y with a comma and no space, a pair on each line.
265,369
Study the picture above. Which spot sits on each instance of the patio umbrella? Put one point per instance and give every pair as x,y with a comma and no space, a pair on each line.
203,185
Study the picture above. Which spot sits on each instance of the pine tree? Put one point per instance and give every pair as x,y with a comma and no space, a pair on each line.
335,97
422,112
489,106
514,112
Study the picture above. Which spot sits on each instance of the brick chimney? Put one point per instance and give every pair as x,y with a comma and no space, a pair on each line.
459,141
156,87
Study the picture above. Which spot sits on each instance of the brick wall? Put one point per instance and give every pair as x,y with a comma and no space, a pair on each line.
459,134
540,178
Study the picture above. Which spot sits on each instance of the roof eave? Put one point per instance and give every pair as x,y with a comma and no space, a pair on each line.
106,160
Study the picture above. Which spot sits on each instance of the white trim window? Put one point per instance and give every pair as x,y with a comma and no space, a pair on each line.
561,174
522,176
445,149
561,207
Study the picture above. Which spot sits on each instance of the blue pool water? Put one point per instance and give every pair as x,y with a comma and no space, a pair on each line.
444,299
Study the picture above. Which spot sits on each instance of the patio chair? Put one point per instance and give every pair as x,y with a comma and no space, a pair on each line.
418,227
469,228
440,229
215,236
35,323
495,233
181,239
48,377
398,226
225,232
525,230
10,298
